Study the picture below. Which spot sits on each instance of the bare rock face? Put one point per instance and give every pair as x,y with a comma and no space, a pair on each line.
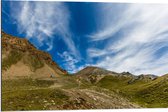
19,50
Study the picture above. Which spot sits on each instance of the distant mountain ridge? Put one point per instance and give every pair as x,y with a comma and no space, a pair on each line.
96,73
19,51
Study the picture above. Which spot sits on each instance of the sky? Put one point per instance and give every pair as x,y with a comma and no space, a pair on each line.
115,36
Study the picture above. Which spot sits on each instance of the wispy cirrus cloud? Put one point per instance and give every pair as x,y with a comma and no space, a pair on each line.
42,21
143,30
69,61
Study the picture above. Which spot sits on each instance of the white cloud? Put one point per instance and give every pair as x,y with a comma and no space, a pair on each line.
143,29
94,52
40,21
69,61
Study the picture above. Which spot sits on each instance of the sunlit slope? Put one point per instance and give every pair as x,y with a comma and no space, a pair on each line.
21,59
151,93
59,93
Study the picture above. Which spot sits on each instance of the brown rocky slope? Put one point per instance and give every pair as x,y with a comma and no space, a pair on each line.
21,59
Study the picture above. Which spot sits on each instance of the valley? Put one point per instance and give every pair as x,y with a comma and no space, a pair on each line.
31,80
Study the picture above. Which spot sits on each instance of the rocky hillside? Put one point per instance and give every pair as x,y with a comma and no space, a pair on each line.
94,74
21,59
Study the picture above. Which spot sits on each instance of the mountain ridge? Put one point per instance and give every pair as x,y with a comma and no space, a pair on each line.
96,73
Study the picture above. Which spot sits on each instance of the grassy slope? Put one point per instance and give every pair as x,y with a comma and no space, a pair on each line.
59,93
15,56
33,62
38,94
33,94
32,99
29,94
151,94
154,94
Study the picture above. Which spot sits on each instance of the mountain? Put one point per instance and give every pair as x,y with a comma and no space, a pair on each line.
94,74
92,70
21,59
147,90
26,83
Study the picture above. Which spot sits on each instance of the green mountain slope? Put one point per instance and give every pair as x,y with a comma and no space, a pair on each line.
59,93
151,93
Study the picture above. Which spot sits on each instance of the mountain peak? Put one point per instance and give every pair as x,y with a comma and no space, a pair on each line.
93,70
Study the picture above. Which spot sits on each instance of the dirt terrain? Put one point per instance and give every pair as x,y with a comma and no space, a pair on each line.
77,97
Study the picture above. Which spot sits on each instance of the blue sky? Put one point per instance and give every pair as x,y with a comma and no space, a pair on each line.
115,36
